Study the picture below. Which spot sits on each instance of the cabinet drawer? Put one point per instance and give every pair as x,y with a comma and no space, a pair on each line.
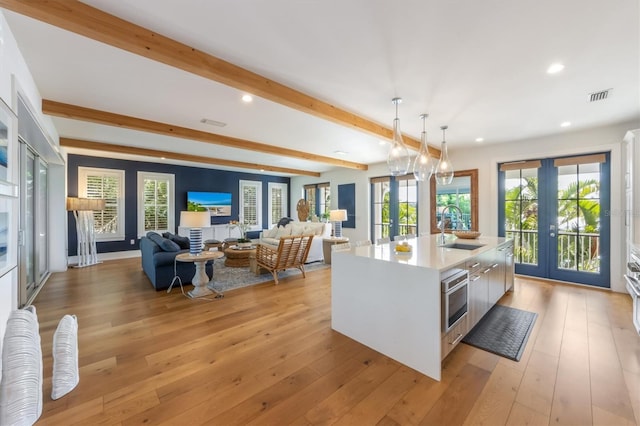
453,337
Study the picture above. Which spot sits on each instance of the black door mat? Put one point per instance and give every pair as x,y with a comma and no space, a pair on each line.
503,331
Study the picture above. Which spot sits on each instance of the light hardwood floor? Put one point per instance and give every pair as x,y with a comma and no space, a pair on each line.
266,355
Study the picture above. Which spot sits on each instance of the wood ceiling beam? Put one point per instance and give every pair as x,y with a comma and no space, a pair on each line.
93,23
110,119
130,150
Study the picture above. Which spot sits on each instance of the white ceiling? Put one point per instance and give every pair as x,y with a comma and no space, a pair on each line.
478,67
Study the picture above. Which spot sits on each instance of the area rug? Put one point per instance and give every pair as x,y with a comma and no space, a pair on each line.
227,278
503,331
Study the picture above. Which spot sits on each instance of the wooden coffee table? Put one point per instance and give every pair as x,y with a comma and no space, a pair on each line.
236,258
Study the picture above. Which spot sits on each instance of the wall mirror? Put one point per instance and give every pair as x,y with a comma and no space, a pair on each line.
463,193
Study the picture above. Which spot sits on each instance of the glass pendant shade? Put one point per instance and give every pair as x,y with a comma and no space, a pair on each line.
398,160
422,164
444,169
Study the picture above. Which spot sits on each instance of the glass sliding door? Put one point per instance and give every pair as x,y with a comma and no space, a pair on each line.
33,259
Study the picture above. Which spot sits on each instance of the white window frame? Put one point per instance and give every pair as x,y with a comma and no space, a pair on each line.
83,172
258,186
285,205
142,176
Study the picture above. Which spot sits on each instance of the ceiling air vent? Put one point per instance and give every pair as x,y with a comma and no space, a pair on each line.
599,96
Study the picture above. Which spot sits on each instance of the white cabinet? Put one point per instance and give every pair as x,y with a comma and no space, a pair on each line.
478,292
214,232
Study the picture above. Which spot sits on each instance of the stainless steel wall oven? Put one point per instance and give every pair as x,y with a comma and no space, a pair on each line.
455,297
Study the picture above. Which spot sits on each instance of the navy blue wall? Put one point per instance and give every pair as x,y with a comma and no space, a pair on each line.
186,179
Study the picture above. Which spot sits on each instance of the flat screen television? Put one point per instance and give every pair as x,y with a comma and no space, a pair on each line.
217,203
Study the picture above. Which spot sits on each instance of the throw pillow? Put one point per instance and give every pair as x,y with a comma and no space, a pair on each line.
270,233
284,221
182,242
168,235
165,244
297,228
283,231
21,384
65,357
168,245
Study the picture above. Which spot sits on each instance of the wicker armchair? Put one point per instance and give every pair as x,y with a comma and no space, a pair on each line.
291,253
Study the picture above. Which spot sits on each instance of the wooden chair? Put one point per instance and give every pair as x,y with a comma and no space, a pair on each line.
291,253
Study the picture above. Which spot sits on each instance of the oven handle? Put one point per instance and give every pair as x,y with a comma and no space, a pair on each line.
457,286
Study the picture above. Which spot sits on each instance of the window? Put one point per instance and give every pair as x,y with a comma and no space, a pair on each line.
251,204
107,184
319,198
277,202
156,211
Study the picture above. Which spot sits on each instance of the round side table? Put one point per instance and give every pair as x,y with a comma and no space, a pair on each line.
200,278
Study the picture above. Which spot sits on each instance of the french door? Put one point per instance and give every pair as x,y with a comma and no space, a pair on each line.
394,206
556,211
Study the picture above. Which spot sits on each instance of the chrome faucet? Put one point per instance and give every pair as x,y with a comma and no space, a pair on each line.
442,240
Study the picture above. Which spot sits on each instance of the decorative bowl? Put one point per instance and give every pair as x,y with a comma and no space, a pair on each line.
468,235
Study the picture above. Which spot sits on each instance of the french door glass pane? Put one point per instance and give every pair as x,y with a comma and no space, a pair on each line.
407,207
579,217
381,196
521,213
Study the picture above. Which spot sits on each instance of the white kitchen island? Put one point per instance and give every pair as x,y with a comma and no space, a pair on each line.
392,302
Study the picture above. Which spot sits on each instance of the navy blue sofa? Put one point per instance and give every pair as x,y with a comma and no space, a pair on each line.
158,263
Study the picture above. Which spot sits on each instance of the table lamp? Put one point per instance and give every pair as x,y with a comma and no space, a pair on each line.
337,217
195,221
83,209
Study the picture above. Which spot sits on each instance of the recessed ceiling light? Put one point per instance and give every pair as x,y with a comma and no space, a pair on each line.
479,139
383,142
555,68
163,158
247,98
262,170
565,124
213,122
338,152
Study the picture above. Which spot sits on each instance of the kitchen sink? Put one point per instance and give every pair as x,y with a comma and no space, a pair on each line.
461,246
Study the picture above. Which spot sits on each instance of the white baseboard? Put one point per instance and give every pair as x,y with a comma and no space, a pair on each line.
73,260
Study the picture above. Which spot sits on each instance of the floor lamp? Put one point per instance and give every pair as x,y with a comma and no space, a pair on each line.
195,221
83,209
337,217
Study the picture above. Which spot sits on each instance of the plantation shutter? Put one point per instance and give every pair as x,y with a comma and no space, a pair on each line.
156,204
250,204
104,186
277,203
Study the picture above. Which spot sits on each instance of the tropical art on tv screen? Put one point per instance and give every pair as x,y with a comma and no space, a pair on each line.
217,203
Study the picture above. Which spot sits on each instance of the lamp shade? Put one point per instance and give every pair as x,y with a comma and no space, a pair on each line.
84,204
195,219
338,215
